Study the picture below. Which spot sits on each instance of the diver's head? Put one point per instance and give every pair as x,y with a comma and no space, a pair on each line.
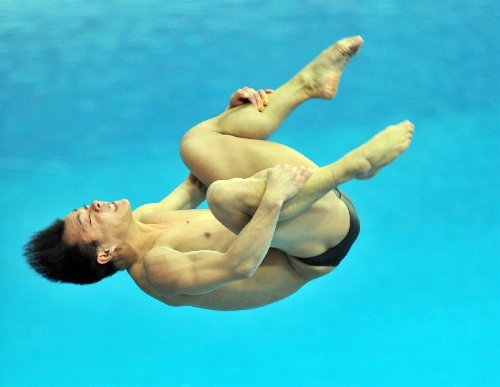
80,249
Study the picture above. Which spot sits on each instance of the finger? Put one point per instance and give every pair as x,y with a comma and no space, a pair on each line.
253,97
264,97
243,93
303,173
239,97
306,174
258,98
272,169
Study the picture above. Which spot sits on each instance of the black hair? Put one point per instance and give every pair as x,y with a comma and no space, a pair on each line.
57,261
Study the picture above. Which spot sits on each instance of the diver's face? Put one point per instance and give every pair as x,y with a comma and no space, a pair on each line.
101,222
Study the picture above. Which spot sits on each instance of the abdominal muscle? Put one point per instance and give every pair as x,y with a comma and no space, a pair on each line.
275,279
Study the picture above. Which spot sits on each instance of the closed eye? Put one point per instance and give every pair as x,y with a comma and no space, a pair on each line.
90,219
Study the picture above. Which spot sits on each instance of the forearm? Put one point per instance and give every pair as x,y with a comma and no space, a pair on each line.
185,196
193,196
253,242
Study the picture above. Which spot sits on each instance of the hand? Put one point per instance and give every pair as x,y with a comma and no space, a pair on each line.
284,181
196,184
258,98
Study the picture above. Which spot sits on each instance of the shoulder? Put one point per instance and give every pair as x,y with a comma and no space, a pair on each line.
152,213
158,261
139,212
160,270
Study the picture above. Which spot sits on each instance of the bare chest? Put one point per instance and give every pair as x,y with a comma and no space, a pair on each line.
193,230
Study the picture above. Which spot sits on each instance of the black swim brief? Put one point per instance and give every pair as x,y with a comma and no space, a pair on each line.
333,256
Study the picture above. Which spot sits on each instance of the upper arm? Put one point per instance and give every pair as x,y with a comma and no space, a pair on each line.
176,200
170,203
171,272
188,195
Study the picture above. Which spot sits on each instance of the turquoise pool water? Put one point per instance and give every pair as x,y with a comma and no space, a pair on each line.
94,97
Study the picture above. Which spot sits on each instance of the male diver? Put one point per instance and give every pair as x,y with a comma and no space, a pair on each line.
275,220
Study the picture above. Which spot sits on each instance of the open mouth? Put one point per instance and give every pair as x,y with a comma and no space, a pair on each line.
112,206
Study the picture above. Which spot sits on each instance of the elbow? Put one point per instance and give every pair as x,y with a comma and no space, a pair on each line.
244,271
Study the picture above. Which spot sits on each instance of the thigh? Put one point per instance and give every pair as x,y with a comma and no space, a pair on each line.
214,156
322,226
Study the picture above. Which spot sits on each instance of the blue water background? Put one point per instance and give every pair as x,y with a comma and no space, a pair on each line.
94,97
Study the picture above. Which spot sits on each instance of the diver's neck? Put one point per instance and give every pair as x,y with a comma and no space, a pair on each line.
141,239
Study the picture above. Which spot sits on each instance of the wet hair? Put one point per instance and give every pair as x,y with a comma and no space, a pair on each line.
57,261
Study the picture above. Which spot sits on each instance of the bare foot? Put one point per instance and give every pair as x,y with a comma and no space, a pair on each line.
322,76
382,149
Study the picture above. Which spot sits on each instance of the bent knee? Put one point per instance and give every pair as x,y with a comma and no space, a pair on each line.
192,142
236,194
190,149
224,193
223,200
217,194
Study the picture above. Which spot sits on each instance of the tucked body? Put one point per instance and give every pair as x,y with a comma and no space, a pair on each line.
276,220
